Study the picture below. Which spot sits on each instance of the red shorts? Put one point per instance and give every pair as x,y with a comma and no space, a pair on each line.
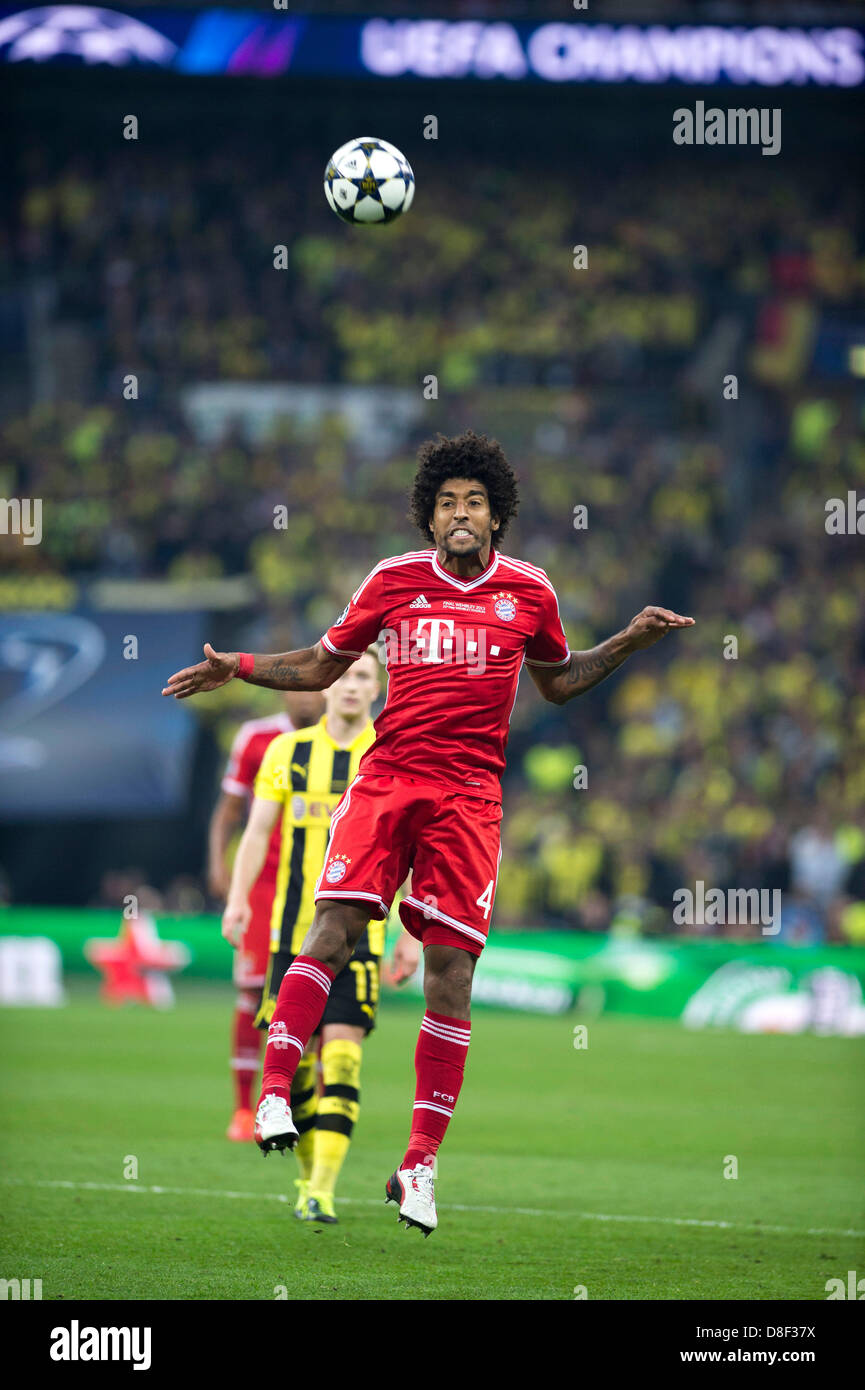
250,958
384,826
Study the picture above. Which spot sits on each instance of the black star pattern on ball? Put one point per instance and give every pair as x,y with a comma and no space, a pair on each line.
368,185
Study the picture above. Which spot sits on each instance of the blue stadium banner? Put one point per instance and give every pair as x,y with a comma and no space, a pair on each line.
84,730
272,44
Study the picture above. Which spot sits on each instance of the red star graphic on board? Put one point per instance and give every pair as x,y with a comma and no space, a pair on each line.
135,965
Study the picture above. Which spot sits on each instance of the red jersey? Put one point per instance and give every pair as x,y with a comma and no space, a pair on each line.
250,744
454,651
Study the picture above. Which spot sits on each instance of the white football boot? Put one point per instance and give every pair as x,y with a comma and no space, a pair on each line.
274,1127
413,1189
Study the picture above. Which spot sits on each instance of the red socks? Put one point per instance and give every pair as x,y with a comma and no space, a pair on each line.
245,1049
439,1061
299,1007
440,1056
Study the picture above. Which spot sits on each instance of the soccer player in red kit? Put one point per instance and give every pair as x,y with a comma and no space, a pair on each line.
458,622
251,742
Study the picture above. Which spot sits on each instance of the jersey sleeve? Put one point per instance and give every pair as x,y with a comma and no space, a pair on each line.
240,769
548,645
360,621
273,780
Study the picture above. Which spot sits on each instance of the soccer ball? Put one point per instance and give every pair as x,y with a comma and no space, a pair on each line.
368,181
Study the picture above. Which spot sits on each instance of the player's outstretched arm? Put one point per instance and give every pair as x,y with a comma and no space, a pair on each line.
587,669
227,815
313,668
248,864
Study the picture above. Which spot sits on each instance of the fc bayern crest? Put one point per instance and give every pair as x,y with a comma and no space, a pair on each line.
505,607
335,871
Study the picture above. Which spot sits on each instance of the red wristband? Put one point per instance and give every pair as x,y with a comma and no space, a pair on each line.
245,663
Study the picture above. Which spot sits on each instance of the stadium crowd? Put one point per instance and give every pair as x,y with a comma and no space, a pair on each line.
174,272
734,754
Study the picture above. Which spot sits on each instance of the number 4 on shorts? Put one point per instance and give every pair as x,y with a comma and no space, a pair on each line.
486,899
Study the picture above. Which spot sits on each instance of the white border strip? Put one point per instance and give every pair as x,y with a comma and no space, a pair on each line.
465,585
326,642
563,662
443,917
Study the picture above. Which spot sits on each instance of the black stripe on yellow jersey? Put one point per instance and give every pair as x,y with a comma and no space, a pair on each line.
307,772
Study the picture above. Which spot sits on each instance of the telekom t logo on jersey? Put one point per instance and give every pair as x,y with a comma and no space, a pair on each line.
436,641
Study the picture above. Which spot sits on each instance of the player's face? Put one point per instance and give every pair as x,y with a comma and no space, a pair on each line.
304,707
462,523
353,694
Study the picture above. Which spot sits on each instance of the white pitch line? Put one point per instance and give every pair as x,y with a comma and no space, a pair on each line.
159,1191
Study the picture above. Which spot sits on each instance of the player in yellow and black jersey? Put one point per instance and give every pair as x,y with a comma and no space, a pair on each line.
302,776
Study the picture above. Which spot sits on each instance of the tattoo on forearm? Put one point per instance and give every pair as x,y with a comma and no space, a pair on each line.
277,673
586,669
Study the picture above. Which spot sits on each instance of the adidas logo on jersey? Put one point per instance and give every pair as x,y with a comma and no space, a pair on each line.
420,602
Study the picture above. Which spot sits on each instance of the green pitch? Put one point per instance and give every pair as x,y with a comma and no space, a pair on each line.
563,1168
